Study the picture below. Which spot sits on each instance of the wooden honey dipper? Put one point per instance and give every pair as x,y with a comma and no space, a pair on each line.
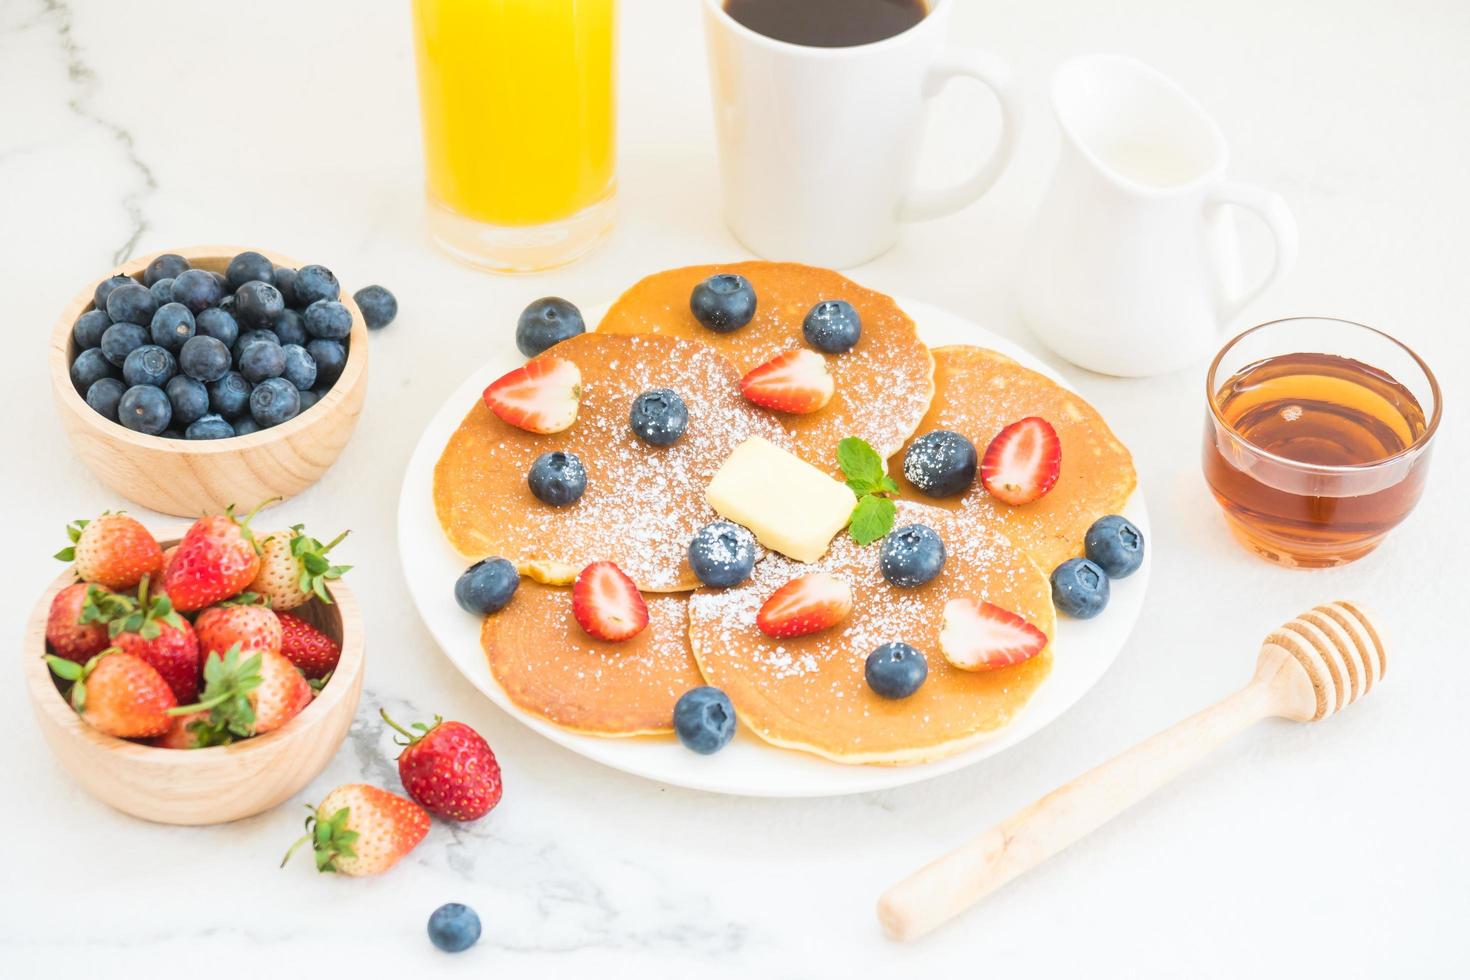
1317,664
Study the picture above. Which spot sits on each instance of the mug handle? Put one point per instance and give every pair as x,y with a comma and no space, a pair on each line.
1270,208
928,203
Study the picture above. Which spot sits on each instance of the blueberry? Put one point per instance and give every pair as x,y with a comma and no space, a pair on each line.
262,360
330,357
313,283
454,928
121,339
204,359
486,586
172,325
257,304
149,365
832,326
290,328
105,288
557,478
273,401
659,417
327,319
284,279
131,303
704,719
722,554
1079,588
104,395
247,267
723,303
163,291
911,555
895,670
189,399
89,328
230,395
940,463
209,427
166,266
145,409
378,306
90,367
197,289
299,367
1115,545
309,398
218,324
245,425
249,337
545,323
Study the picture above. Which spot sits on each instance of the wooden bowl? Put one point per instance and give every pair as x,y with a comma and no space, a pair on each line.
189,478
202,786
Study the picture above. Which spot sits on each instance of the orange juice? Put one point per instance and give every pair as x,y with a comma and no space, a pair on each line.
517,106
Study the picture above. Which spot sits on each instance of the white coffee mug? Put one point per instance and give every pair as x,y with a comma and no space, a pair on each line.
1132,265
818,146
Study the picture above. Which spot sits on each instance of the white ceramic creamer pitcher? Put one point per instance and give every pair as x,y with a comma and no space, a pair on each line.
1132,264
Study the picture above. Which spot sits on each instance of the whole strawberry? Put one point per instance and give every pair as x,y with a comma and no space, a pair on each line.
70,635
313,652
114,551
294,567
238,621
216,559
148,627
449,768
246,692
362,830
117,694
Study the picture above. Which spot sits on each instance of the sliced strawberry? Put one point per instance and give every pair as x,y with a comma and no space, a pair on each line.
541,396
980,635
1023,462
805,605
607,604
796,381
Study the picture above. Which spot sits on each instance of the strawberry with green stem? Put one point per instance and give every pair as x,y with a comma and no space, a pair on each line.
148,627
362,830
448,768
246,693
114,551
117,693
69,634
217,558
294,567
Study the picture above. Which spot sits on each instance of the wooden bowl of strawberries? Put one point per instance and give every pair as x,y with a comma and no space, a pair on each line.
197,676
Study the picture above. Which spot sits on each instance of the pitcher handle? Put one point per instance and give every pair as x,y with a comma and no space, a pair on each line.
1271,208
928,203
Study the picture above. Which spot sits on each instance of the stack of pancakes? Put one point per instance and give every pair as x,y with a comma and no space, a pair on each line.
643,504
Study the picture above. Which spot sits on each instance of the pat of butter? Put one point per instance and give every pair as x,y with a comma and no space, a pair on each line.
788,504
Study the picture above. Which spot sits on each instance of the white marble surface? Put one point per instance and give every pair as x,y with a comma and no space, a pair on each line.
1326,850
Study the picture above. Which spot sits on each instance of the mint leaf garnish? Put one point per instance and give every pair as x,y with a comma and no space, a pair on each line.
868,477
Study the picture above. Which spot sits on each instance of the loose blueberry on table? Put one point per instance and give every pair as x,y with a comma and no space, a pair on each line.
1079,587
941,463
833,326
454,928
486,586
704,719
378,306
235,332
723,303
895,670
659,417
722,554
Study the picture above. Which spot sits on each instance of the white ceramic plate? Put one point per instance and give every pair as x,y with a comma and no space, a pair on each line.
747,766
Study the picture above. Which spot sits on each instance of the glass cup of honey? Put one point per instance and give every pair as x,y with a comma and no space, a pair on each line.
1316,456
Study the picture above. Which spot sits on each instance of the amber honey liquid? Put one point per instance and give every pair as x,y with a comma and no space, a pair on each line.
1327,411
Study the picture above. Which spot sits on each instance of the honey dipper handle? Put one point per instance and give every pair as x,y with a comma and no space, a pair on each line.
952,883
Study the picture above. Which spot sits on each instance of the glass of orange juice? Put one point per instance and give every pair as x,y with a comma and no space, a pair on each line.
517,104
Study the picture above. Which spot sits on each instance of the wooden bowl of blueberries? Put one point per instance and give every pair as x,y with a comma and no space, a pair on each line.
195,379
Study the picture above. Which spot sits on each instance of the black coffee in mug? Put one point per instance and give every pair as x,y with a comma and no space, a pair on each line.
827,23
